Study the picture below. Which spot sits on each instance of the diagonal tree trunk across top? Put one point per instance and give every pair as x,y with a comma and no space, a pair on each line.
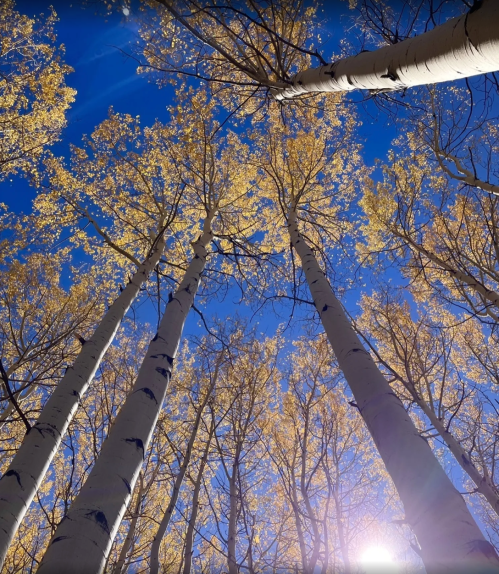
462,47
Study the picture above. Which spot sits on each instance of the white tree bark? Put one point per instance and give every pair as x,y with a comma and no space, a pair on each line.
486,294
232,526
127,544
83,539
189,536
449,538
163,525
23,477
483,482
462,47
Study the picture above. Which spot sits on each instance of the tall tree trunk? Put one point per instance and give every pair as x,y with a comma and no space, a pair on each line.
462,47
484,484
316,538
83,539
449,538
163,525
298,515
232,527
131,529
22,479
189,536
486,294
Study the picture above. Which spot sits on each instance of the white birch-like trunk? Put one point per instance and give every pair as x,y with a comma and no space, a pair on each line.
449,538
83,539
22,479
163,525
189,536
232,526
484,484
127,544
462,47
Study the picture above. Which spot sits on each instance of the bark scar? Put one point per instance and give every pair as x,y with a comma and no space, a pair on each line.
127,484
138,443
100,518
14,473
148,392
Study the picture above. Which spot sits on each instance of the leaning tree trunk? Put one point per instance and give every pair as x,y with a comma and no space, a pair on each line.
449,538
487,295
127,544
232,526
22,479
189,536
163,525
483,482
83,539
462,47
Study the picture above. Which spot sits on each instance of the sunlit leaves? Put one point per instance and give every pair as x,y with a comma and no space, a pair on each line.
34,97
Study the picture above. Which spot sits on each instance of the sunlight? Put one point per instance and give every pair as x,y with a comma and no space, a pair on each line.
376,555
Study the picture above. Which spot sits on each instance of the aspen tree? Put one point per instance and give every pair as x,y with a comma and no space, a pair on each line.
38,326
422,357
79,447
21,480
443,239
34,97
269,47
163,525
449,538
323,459
189,536
84,538
249,378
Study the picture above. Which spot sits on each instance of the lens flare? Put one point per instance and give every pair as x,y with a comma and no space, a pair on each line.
376,555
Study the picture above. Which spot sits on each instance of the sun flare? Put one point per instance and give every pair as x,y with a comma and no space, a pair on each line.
376,555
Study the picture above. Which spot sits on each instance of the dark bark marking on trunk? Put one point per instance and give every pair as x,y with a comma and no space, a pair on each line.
137,442
148,392
163,372
473,8
58,539
358,351
100,518
391,76
325,308
13,473
127,484
50,429
354,404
